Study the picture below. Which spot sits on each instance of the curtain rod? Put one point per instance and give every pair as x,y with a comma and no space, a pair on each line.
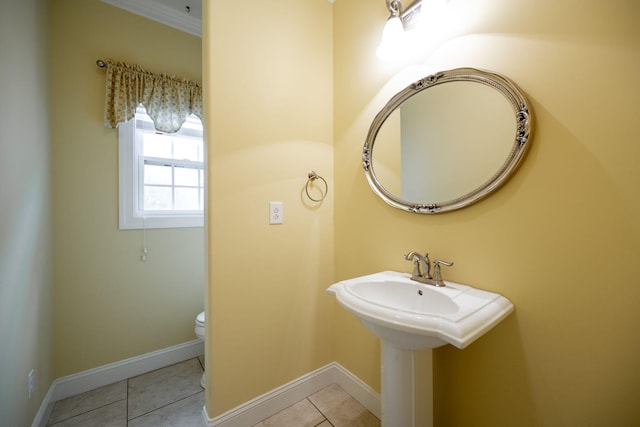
100,63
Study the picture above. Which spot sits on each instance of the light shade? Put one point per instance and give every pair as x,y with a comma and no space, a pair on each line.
392,42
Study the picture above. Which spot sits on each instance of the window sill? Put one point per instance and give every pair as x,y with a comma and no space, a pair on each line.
136,223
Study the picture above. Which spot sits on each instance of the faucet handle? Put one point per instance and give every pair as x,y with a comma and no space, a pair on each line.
437,276
445,263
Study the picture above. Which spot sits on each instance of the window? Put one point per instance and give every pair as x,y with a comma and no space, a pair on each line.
161,175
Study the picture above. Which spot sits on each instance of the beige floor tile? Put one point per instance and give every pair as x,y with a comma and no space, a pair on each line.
113,415
172,397
302,414
85,402
341,409
184,413
159,388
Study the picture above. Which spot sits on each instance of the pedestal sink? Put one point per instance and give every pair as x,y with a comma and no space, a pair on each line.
407,316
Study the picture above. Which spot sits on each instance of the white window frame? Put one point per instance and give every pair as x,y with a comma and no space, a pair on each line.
131,182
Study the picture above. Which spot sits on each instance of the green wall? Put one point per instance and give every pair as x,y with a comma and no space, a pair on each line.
26,285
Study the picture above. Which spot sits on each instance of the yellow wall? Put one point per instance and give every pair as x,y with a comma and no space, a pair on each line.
561,240
109,305
268,101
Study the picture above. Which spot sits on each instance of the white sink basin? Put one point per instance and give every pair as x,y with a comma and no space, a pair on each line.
413,316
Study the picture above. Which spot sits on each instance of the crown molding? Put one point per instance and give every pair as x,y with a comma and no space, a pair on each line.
159,12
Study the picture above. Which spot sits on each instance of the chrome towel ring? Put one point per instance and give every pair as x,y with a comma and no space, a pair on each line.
312,177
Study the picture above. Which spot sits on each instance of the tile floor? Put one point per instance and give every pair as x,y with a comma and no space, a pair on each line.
172,396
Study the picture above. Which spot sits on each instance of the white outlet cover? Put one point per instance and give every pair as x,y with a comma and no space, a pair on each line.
275,213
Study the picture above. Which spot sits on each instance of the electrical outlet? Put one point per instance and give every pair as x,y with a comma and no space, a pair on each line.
32,382
275,212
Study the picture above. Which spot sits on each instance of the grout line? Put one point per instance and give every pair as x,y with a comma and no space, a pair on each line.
83,413
163,406
318,409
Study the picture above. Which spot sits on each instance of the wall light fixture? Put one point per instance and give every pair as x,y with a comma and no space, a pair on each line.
393,44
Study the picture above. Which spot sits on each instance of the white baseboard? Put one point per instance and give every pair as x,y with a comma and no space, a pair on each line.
64,387
358,389
282,397
45,409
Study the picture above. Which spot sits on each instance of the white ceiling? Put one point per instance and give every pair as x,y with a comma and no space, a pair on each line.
184,15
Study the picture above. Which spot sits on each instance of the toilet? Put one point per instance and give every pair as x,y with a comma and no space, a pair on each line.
200,334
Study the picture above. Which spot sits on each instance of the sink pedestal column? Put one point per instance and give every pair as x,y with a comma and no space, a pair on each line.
398,391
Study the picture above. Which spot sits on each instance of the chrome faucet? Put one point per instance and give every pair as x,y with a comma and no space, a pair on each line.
422,269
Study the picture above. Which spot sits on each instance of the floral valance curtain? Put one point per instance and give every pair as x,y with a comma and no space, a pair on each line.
168,99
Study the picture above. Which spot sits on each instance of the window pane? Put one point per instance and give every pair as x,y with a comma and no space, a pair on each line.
156,145
157,198
159,175
186,149
186,199
186,176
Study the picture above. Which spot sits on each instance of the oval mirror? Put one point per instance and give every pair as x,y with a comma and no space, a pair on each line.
448,140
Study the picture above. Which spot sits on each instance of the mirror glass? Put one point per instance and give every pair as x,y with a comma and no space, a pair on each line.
447,140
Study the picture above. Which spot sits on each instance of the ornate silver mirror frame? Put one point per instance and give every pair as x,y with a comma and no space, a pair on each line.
523,127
